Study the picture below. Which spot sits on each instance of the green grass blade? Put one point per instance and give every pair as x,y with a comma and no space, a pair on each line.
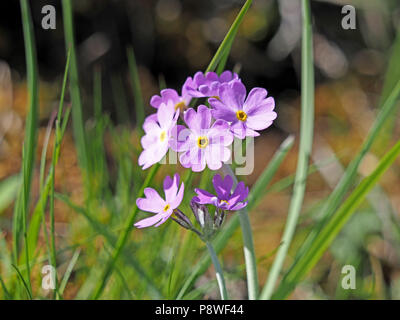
306,139
7,295
8,190
69,270
334,225
350,174
224,48
30,141
21,278
77,112
123,236
38,215
259,188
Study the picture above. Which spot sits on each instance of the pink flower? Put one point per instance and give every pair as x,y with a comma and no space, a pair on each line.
155,204
202,144
208,85
246,115
179,101
225,198
158,134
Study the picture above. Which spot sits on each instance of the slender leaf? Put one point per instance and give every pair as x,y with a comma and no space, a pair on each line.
306,139
334,225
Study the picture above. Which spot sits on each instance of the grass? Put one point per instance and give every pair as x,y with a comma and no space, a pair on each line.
306,141
105,255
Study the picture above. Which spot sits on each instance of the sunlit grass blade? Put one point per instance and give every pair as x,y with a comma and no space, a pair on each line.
38,215
224,48
306,139
233,223
77,112
391,77
334,225
69,270
348,178
28,162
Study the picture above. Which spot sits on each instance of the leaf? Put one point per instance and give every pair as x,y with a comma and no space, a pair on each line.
334,226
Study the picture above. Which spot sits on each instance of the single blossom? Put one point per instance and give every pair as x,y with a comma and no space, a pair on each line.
202,143
246,115
180,101
225,198
207,85
158,129
163,209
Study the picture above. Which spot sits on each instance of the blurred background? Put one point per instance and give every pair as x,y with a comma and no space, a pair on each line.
172,39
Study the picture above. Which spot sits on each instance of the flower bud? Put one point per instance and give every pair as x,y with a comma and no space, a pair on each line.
182,219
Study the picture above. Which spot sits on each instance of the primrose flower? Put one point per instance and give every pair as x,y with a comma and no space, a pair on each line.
225,198
155,204
202,144
158,128
208,85
180,101
246,115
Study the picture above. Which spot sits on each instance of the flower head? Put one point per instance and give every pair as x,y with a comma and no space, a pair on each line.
202,144
207,85
158,129
155,204
179,101
246,115
225,198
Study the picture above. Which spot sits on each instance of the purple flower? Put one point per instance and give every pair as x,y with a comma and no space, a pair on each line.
202,144
245,114
155,204
225,199
208,85
180,101
158,129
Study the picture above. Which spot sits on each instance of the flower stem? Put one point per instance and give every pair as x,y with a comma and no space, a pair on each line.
248,244
218,271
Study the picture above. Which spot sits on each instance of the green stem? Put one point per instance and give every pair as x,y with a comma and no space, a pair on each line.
248,244
218,271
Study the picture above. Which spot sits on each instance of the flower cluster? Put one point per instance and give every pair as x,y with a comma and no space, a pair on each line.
204,137
225,199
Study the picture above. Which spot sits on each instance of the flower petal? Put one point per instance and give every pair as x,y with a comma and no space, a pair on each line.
222,111
148,221
178,197
152,203
203,197
233,94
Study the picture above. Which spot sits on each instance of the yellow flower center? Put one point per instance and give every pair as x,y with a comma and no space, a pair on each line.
216,97
180,105
202,142
241,115
166,208
224,201
163,135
